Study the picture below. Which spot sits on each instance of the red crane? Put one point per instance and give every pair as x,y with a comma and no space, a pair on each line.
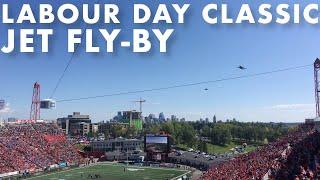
35,106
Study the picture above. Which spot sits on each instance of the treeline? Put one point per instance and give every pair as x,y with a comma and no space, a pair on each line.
181,133
223,133
194,134
219,133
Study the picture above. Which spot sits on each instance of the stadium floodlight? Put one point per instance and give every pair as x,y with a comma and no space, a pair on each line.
317,85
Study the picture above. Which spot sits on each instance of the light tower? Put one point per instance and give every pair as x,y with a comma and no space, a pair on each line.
35,106
317,85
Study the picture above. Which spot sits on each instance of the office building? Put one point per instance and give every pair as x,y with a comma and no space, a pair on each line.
134,119
75,124
162,117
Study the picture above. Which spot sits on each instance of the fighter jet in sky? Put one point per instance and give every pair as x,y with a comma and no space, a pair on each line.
242,68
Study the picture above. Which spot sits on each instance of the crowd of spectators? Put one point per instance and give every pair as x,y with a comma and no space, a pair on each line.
34,146
290,157
302,161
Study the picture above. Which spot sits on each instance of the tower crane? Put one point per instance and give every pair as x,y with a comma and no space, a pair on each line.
141,101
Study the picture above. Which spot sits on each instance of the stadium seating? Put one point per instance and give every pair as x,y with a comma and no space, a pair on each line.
34,146
291,157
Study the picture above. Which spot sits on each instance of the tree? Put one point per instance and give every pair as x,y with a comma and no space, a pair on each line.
206,131
167,127
107,134
131,132
116,131
221,134
188,135
90,135
203,147
153,129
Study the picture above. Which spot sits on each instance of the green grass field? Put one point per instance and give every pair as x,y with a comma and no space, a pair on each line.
226,148
220,149
114,172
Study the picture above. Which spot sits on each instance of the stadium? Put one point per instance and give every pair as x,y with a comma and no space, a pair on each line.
41,151
33,148
134,112
75,148
64,149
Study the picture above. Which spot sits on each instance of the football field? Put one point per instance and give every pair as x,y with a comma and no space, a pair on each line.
114,172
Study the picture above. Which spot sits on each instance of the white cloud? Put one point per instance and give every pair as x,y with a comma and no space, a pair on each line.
291,107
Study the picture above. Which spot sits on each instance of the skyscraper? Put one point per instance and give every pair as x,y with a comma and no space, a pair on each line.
162,117
214,119
174,118
2,104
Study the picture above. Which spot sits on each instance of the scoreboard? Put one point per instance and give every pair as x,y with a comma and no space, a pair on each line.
157,147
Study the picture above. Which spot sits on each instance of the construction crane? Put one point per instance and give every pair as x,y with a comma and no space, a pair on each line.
141,101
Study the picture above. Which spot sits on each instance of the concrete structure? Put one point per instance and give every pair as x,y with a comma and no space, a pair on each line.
134,119
118,144
316,122
94,128
75,124
151,119
81,128
1,122
137,157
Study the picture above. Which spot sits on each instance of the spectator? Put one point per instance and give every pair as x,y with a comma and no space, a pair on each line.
289,157
34,146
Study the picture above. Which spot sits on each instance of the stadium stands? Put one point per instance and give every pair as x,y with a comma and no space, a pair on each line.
27,147
294,156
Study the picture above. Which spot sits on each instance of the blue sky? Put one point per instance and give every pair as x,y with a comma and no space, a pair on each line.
197,52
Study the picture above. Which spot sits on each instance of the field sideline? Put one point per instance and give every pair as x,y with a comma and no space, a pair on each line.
114,172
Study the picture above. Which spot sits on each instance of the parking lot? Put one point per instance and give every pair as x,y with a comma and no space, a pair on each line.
198,159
